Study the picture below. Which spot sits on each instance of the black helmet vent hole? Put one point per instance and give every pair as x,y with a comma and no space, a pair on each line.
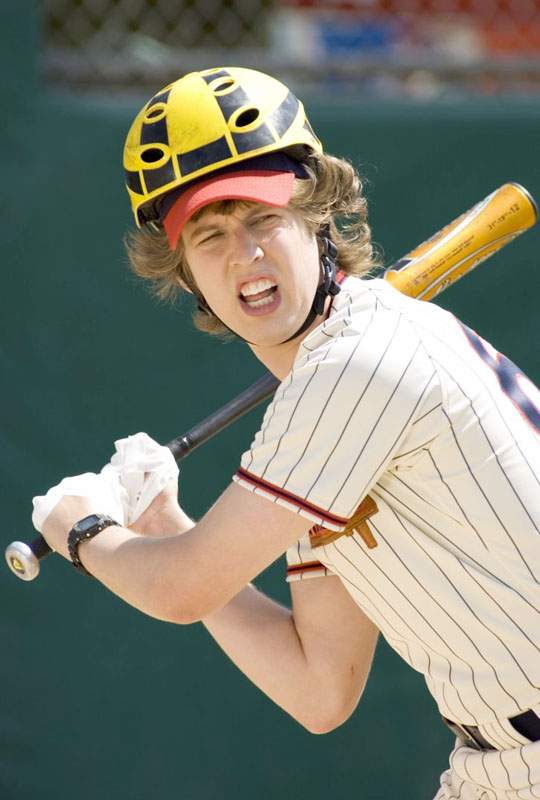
221,84
152,155
246,117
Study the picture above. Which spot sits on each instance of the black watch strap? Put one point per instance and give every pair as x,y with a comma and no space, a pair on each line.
83,530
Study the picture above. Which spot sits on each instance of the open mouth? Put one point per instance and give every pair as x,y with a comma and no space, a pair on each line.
258,294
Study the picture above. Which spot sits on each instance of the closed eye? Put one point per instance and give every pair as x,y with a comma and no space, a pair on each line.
265,218
209,238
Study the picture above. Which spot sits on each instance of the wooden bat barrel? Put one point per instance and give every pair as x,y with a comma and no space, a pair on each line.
463,244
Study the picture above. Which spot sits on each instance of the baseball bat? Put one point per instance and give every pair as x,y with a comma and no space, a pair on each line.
423,273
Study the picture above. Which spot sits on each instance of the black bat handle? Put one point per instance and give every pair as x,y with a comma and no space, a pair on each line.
223,417
23,559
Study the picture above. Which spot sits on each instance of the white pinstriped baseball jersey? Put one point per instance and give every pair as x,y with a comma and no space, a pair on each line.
396,398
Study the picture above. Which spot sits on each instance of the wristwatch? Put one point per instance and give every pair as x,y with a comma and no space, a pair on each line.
85,529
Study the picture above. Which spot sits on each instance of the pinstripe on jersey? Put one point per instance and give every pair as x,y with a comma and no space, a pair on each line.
389,397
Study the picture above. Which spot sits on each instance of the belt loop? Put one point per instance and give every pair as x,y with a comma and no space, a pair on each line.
468,734
527,724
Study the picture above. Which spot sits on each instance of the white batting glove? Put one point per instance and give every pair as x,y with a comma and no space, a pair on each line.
104,490
144,468
137,472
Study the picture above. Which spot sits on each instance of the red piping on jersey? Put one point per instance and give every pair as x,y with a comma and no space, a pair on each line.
309,566
299,501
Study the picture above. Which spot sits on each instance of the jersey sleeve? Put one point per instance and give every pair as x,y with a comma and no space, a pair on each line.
303,562
339,418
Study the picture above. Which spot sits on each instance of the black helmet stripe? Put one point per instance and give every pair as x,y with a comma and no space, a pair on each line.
153,132
252,140
160,97
201,157
285,114
218,73
160,176
133,181
231,102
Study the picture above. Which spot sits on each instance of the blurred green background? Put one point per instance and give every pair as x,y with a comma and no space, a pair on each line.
97,699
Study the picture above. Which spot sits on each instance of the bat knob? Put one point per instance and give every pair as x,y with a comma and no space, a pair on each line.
22,561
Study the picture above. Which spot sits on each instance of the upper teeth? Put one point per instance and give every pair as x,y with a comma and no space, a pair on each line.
255,287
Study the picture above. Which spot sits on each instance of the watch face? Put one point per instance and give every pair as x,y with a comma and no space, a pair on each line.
88,522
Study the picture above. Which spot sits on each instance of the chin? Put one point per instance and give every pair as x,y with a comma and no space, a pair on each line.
275,339
268,331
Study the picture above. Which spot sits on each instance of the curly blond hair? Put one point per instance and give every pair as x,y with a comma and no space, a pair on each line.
333,191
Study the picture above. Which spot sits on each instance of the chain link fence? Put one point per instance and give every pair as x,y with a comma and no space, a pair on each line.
128,42
423,48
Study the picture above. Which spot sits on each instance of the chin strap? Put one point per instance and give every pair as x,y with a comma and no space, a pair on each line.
329,287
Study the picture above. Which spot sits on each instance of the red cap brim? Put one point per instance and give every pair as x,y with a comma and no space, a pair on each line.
259,186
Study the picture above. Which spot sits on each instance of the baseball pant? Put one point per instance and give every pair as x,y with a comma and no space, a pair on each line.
512,774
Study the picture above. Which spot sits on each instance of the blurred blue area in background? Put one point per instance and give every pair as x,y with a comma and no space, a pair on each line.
342,37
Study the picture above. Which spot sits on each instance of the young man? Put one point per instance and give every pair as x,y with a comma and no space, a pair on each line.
393,424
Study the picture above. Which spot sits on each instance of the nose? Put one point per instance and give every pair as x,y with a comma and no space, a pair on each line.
244,247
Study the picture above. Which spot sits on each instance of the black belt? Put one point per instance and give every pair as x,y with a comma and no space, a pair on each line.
527,724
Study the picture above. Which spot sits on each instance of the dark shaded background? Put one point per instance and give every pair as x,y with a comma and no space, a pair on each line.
97,699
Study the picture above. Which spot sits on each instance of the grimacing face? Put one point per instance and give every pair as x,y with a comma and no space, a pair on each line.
257,268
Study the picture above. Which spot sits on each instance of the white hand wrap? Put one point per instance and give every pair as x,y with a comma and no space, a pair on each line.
144,467
138,471
104,490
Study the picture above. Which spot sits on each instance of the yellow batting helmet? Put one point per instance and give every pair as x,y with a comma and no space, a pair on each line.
207,121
